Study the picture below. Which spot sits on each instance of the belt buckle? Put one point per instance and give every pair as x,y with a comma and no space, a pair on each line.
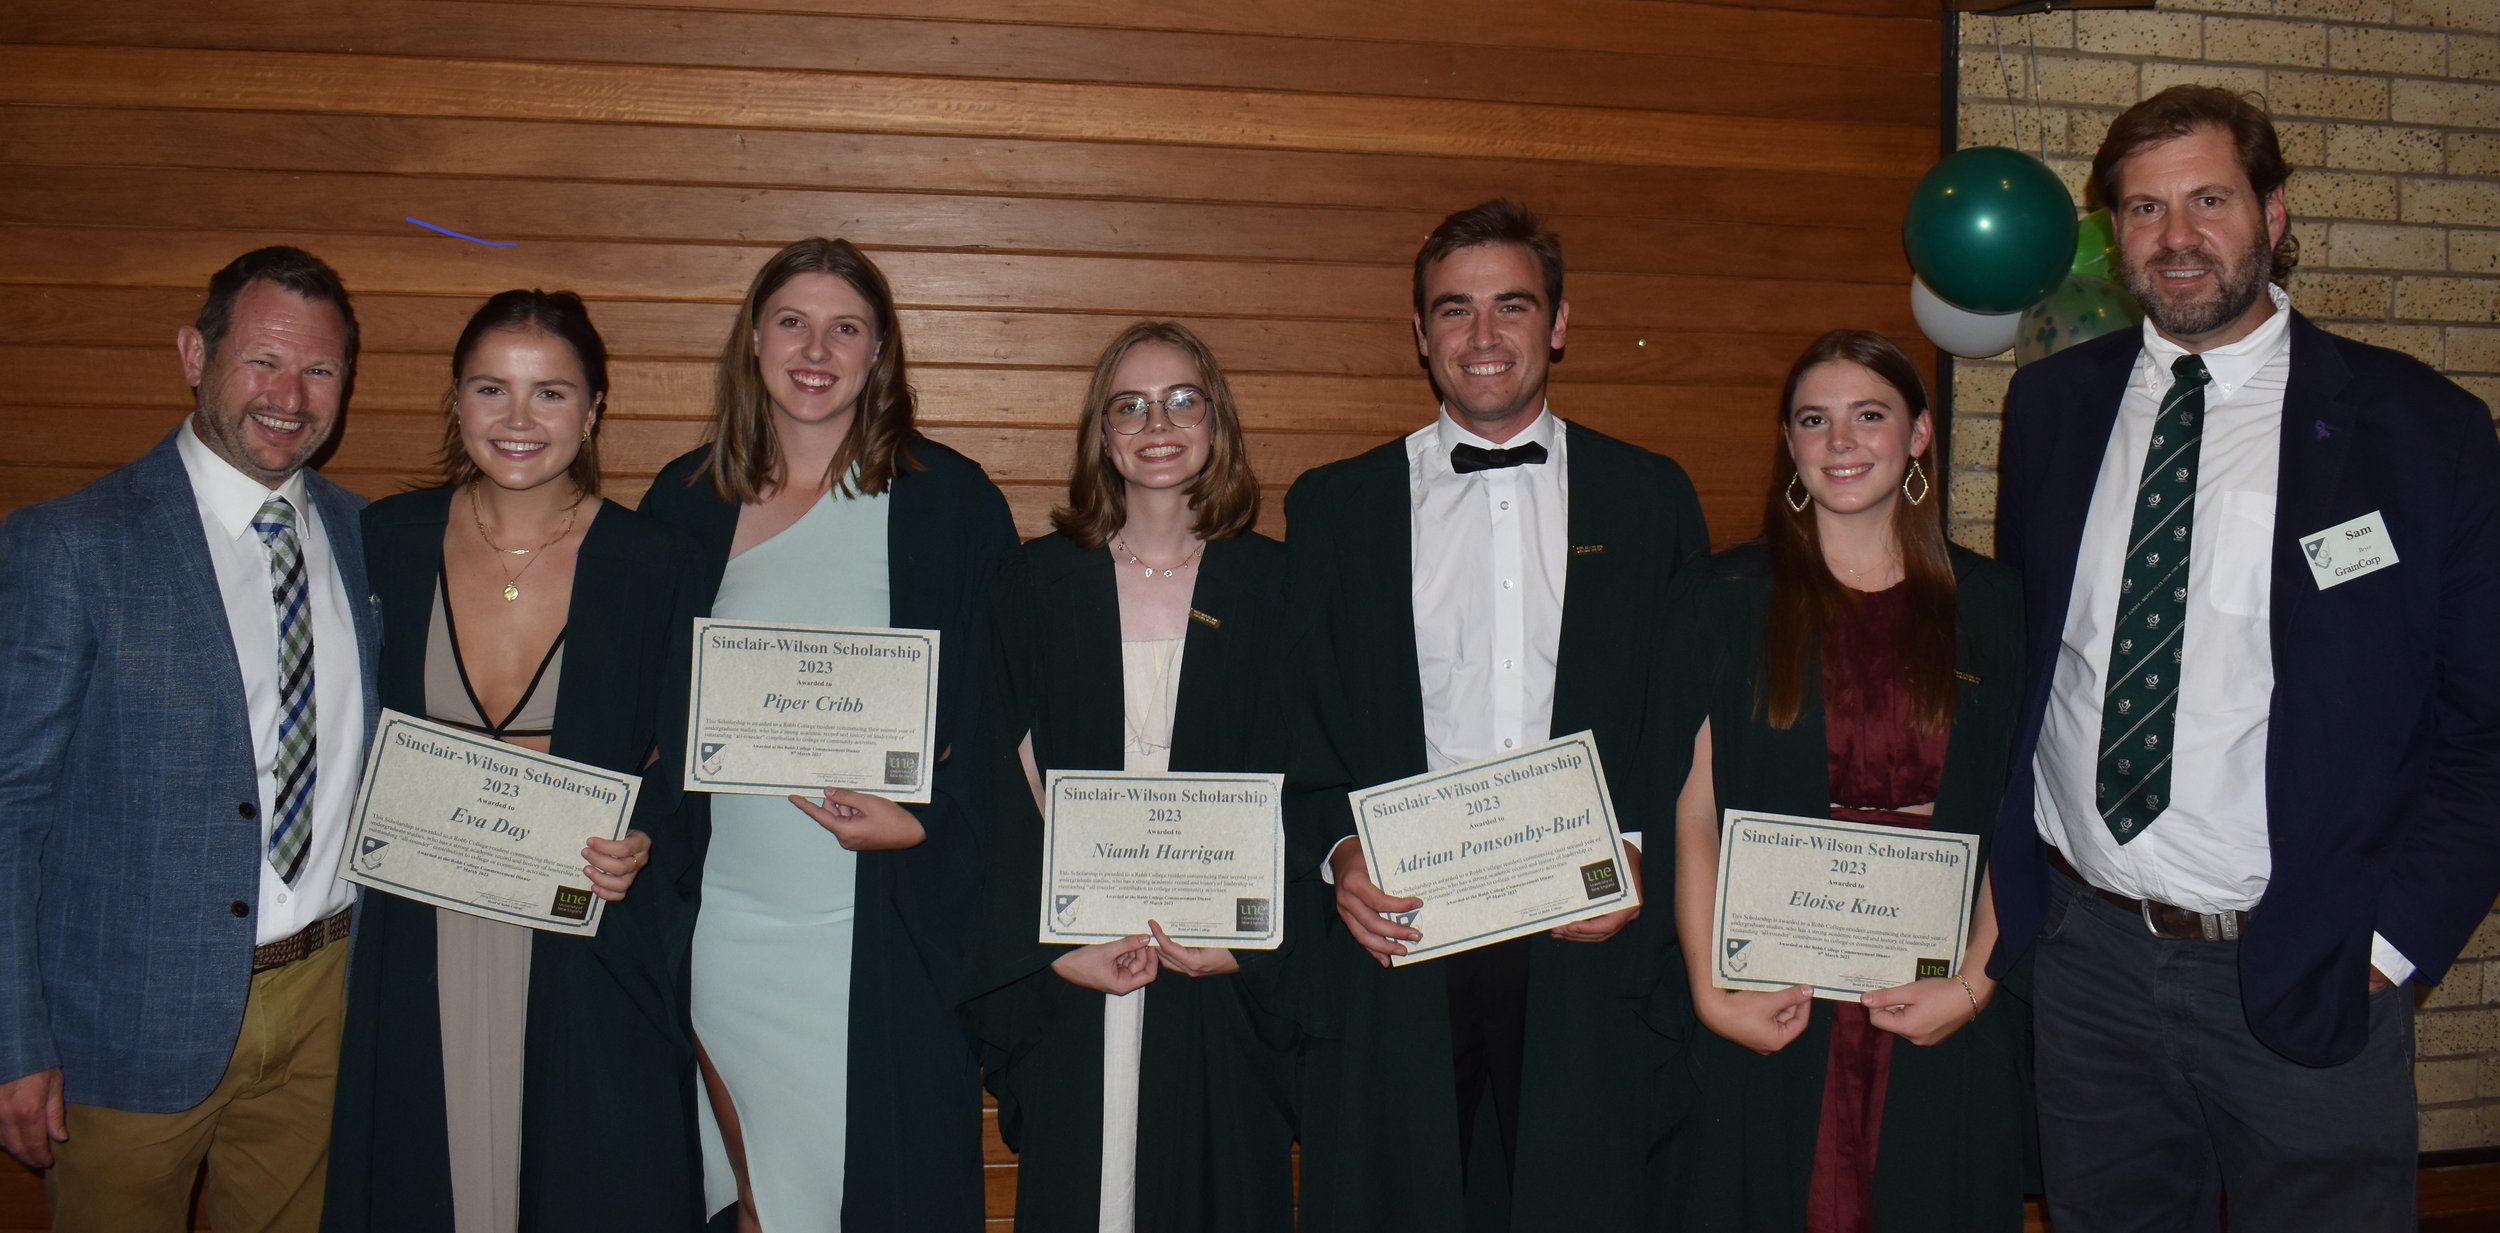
2215,926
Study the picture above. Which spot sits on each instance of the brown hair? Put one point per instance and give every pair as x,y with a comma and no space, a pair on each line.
1499,221
287,268
2181,110
746,461
561,315
1225,494
1806,599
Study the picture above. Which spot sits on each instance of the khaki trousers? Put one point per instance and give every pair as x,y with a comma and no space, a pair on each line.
264,1132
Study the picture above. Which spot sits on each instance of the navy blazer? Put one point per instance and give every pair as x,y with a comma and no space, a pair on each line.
130,844
2383,738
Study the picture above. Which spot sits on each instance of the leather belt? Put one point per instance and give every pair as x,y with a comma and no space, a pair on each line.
2166,920
311,938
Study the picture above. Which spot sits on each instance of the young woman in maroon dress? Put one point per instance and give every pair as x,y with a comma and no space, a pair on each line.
1851,664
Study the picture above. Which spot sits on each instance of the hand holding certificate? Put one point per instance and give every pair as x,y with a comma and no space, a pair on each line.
1846,907
1497,849
783,709
1203,855
470,823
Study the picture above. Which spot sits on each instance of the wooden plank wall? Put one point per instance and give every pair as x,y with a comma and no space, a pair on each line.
1032,174
1728,180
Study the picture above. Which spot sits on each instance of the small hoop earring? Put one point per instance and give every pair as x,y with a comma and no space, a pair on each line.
1796,496
585,432
1919,473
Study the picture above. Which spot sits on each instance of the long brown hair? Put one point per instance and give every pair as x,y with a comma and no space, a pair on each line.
746,461
1806,599
1225,494
560,315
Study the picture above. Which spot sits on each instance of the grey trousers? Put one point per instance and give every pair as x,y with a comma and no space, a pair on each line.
2158,1105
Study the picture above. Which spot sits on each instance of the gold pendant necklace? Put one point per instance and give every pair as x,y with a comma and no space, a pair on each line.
1151,571
512,581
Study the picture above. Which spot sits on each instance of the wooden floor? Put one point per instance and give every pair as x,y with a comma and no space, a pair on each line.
2461,1199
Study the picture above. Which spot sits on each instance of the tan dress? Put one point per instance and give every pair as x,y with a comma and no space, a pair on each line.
483,968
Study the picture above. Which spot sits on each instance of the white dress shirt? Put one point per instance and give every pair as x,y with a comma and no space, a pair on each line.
228,500
2207,850
1489,549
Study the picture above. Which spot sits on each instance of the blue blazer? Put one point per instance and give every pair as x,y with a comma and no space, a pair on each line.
2383,745
130,846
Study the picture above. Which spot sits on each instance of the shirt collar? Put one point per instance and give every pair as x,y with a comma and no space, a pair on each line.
1540,430
2232,364
227,496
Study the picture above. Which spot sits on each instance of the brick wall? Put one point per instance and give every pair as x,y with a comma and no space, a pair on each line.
2389,111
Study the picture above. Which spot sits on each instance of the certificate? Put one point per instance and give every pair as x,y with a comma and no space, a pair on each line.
1201,855
1497,849
466,822
778,709
1843,906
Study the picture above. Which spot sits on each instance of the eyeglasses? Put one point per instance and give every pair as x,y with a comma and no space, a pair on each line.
1182,408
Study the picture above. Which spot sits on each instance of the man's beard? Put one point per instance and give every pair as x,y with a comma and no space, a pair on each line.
2235,289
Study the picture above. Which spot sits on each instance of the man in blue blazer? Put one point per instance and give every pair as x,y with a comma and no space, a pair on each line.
188,650
2256,785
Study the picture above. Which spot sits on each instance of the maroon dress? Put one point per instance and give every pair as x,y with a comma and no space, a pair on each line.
1879,762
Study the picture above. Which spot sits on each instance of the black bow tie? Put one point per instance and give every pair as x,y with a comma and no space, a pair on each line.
1465,459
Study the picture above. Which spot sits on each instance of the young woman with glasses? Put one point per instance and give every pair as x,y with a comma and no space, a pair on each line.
1138,1079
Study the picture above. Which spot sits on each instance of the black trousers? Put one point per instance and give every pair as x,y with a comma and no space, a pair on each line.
1488,990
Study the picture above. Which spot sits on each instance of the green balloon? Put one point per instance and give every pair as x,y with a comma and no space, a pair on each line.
2082,307
1990,229
2096,246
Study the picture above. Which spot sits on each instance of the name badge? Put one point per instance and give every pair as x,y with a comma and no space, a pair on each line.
2348,550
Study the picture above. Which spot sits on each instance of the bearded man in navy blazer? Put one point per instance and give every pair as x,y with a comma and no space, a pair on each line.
2256,789
188,649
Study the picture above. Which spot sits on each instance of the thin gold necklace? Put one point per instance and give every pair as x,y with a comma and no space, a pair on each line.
1151,571
512,581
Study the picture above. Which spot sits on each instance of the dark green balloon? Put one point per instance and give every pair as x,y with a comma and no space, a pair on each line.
1991,229
2082,307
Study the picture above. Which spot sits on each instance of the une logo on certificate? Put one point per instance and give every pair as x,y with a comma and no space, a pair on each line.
1843,906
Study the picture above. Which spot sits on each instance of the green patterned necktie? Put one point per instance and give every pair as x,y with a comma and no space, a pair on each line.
2140,701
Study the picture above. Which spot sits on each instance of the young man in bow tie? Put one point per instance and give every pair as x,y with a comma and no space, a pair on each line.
1488,582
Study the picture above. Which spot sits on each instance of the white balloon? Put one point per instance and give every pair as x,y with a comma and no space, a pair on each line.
1959,330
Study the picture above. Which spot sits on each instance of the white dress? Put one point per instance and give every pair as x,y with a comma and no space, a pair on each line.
1150,686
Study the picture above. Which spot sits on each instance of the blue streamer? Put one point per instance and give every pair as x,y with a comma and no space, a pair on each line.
458,236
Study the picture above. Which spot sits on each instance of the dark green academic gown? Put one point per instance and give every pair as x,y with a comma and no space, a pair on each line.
607,1118
1215,1131
1380,1124
914,1106
1951,1152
